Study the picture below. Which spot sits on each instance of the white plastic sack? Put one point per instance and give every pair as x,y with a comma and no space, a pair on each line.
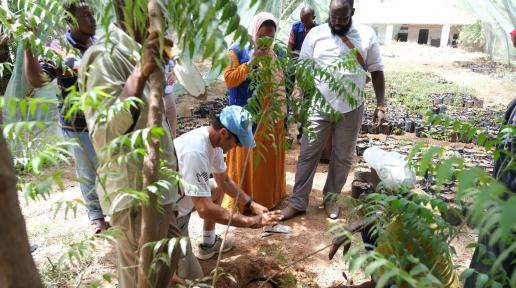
392,167
190,78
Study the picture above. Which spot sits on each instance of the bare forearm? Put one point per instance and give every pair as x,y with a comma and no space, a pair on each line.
231,188
35,75
134,85
379,87
221,216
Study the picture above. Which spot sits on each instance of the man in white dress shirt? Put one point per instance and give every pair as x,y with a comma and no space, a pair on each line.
326,44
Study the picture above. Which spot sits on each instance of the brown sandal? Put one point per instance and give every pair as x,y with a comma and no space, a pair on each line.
99,225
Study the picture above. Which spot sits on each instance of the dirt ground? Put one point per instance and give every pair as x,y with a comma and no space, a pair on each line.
254,256
309,234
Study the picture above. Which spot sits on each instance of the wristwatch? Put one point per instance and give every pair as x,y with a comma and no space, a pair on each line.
248,203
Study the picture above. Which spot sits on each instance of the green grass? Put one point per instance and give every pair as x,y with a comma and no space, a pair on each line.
55,237
412,89
55,274
287,280
420,84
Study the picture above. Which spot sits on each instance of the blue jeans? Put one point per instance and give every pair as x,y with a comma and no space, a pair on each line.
85,167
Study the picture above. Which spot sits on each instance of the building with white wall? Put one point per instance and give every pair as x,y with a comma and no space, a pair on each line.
432,22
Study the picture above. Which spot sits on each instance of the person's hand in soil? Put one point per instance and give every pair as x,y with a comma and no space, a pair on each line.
267,219
258,209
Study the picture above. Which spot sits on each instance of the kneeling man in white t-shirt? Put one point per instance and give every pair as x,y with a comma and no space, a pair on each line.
200,153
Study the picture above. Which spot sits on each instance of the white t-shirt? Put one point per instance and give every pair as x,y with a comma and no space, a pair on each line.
324,48
197,160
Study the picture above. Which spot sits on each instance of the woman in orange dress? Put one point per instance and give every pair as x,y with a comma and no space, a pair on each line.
264,177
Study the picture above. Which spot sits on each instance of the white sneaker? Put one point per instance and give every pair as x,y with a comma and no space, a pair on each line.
206,252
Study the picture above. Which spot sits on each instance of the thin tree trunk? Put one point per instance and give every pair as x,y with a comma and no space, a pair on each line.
4,58
151,164
17,269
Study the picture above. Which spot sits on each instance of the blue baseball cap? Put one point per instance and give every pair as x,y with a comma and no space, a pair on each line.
238,120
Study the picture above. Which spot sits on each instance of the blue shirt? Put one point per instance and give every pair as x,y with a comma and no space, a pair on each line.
298,35
240,94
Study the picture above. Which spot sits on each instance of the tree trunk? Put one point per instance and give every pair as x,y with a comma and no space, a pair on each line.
4,58
17,269
151,164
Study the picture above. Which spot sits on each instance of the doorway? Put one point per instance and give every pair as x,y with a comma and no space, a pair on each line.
423,36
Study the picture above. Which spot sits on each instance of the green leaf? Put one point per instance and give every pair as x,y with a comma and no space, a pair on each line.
157,247
23,107
36,164
482,138
508,215
456,125
153,189
426,160
172,243
472,245
183,243
467,273
233,24
471,133
371,268
490,143
481,280
382,282
108,277
445,170
418,269
357,263
32,108
136,140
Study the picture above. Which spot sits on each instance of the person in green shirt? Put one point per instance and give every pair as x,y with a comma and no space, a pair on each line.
113,63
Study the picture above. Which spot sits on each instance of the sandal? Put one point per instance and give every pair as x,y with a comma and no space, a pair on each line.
99,225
